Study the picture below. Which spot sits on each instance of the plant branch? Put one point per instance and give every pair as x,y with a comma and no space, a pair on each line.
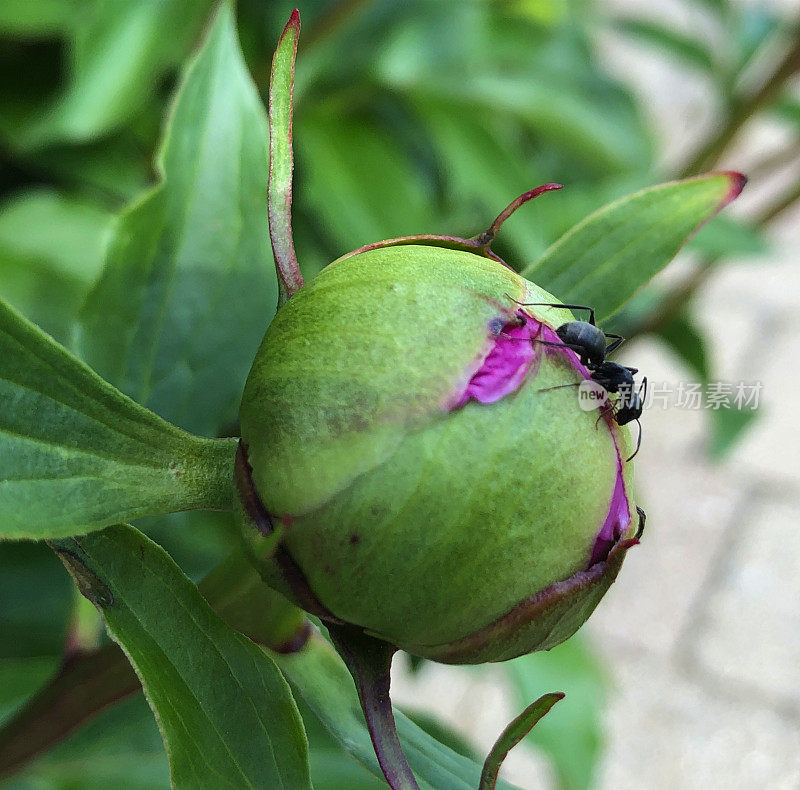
84,686
370,661
784,202
744,107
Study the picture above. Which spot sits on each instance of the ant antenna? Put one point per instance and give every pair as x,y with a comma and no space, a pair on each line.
561,386
638,442
618,341
642,519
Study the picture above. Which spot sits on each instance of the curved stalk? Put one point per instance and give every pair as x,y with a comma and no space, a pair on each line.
370,661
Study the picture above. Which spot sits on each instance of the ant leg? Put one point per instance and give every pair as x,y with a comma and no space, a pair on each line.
618,341
642,519
603,412
638,443
576,349
564,306
556,304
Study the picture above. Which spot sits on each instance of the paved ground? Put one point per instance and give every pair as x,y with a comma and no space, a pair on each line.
702,630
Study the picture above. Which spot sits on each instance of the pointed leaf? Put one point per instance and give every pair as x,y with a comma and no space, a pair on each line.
77,455
512,735
226,714
572,737
607,257
188,288
281,163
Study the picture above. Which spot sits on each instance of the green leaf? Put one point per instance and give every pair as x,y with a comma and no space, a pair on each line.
195,539
51,251
725,236
239,596
683,336
226,714
121,748
727,428
603,260
116,168
318,675
683,47
513,734
118,52
478,56
35,17
359,182
90,682
332,768
76,454
21,677
35,599
571,735
479,191
188,287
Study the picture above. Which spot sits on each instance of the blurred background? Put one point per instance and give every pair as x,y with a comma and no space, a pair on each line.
417,117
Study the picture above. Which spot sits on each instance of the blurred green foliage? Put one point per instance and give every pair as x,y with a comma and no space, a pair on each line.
411,117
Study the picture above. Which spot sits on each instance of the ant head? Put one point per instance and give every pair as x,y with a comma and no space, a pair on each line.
630,410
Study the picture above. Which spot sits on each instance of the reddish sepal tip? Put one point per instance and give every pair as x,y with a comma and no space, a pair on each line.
738,182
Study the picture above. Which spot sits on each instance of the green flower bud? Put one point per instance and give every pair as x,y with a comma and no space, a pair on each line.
412,463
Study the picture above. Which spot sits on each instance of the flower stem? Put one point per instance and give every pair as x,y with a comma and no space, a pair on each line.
369,661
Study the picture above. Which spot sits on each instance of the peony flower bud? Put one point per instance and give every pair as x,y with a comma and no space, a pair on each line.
413,464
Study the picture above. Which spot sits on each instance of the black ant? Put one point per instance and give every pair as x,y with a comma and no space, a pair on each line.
628,406
588,341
